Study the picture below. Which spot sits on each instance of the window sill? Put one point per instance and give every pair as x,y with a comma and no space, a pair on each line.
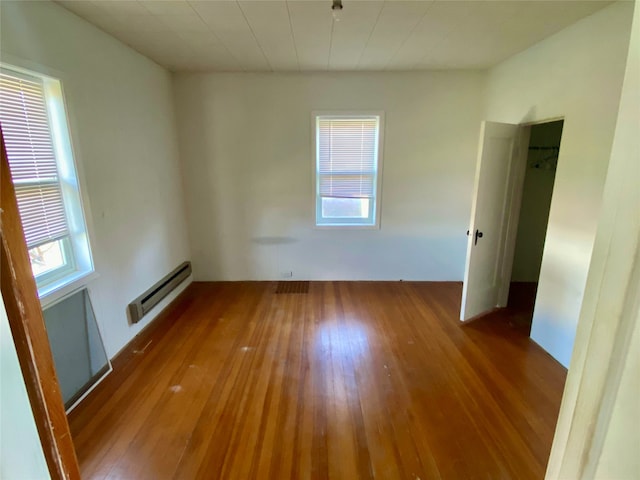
51,293
345,226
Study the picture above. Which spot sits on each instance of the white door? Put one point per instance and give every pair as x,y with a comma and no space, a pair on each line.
491,210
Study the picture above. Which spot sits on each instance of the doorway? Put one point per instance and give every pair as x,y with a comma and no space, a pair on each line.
507,154
533,219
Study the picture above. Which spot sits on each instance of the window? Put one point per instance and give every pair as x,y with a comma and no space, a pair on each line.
347,172
34,127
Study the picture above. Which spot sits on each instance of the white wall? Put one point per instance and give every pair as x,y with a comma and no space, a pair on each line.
597,434
21,455
123,132
619,457
576,73
245,143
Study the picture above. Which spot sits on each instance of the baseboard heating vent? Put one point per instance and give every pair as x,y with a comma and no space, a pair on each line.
292,287
149,299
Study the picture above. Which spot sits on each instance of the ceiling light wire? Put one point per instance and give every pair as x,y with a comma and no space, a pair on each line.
336,8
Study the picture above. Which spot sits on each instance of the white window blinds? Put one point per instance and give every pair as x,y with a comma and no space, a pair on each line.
347,156
30,151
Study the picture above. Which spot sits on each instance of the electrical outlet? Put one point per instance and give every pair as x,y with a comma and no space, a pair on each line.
288,274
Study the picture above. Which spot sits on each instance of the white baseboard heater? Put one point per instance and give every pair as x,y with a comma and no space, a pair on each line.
149,299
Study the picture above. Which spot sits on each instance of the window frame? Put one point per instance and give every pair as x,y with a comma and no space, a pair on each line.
80,268
372,222
51,276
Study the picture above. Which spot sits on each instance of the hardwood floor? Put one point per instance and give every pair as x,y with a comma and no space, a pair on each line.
351,380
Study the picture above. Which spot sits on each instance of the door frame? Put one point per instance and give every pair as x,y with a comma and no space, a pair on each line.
517,189
24,313
517,171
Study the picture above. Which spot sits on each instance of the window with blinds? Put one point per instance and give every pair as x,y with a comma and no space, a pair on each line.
347,166
30,151
36,137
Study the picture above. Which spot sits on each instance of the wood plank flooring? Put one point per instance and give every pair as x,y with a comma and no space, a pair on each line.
352,380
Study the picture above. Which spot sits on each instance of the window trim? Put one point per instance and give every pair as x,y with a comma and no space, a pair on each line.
51,276
63,127
377,199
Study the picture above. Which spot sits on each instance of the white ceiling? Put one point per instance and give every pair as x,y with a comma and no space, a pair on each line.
301,35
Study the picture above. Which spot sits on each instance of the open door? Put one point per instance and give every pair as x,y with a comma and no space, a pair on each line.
494,212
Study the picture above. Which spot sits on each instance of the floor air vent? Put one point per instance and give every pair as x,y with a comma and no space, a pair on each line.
149,299
292,287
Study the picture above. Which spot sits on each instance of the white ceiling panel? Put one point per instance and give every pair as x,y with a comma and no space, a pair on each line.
351,34
470,42
140,23
311,33
428,34
184,23
214,58
159,46
83,9
302,35
395,24
119,7
164,7
269,22
533,21
230,26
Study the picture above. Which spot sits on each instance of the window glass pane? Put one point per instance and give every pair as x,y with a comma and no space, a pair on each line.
76,345
345,207
47,257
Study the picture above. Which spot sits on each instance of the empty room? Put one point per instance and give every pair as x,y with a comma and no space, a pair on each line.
320,239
